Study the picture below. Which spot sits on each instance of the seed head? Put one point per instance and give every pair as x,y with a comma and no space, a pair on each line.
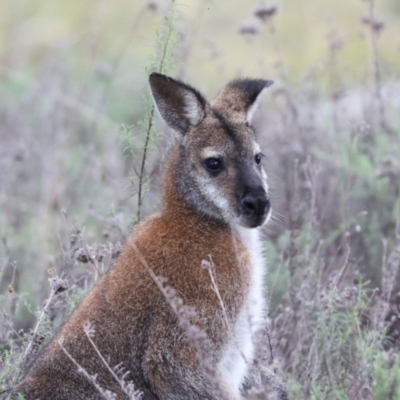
58,285
265,12
152,5
248,28
73,239
82,255
375,24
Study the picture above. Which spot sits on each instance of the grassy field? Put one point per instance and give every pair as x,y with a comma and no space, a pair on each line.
74,117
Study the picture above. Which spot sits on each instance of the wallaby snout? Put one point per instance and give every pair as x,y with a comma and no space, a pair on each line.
252,194
256,206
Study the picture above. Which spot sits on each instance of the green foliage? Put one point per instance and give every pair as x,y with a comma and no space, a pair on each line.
74,298
387,380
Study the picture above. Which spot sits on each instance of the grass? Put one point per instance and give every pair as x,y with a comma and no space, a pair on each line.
74,113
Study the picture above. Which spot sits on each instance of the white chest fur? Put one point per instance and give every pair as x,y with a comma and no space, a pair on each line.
240,351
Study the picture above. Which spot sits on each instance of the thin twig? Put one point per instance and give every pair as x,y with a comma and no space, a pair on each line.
28,348
88,332
107,395
374,28
145,151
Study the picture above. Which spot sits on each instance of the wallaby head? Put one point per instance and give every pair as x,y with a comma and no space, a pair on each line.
218,169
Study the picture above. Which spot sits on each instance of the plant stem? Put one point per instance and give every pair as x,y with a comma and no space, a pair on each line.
164,49
145,150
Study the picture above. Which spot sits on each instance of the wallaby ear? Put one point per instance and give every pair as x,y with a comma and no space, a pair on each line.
180,105
239,99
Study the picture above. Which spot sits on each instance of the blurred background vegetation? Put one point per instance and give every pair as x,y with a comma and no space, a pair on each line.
75,115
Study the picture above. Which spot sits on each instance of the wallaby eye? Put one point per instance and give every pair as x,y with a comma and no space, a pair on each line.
213,164
257,159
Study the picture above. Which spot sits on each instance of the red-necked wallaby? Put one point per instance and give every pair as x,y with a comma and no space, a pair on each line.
215,196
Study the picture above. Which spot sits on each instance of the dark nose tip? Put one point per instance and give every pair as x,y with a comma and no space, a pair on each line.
256,204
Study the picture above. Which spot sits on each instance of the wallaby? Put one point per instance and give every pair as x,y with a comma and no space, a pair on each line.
215,196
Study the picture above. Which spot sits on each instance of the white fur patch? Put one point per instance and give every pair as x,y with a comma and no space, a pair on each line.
215,196
253,108
256,148
239,353
193,109
210,152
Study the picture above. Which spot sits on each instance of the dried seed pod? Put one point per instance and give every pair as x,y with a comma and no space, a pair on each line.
116,251
73,239
58,285
375,24
152,5
62,286
248,28
82,255
265,12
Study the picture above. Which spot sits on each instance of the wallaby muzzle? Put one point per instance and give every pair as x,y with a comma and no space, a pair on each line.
255,207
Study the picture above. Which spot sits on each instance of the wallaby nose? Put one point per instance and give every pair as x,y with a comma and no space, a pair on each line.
256,204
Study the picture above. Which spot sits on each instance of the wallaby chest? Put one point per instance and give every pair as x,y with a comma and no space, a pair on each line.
239,352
